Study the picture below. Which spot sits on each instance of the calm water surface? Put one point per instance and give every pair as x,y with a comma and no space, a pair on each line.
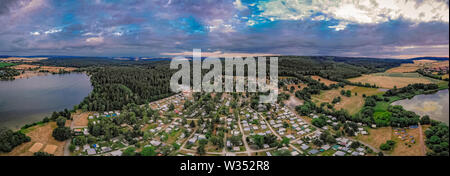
434,105
24,101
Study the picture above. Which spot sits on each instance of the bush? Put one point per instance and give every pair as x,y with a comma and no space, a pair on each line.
61,133
61,121
42,154
148,151
130,151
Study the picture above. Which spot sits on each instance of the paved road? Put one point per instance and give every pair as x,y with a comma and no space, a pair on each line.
247,149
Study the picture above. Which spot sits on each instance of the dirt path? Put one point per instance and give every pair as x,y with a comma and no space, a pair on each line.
422,144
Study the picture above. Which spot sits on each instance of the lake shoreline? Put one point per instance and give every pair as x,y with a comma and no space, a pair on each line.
26,101
435,105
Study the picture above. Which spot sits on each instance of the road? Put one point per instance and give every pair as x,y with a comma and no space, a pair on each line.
422,144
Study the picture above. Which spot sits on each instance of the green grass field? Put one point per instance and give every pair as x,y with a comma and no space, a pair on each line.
6,64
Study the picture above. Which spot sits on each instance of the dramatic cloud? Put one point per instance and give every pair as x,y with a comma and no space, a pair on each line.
152,28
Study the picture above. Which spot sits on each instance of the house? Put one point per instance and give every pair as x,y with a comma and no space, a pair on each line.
155,143
116,153
268,154
106,149
339,153
294,153
236,148
304,147
91,151
326,147
192,140
200,137
313,151
266,146
86,147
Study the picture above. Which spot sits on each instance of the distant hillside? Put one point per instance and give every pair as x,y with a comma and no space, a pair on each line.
430,58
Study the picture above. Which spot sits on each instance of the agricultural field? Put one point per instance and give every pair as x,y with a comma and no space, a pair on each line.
23,59
42,68
390,80
405,68
323,80
6,64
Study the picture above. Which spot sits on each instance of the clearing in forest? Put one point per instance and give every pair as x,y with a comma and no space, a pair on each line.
352,104
389,80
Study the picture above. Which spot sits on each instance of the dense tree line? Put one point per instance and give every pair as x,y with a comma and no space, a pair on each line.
437,139
412,90
335,68
10,139
430,75
115,87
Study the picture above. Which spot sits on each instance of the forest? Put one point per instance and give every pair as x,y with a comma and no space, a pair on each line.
115,87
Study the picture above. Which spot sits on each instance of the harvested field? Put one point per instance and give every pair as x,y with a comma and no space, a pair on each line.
56,69
23,59
418,64
80,119
389,80
29,74
36,147
323,80
25,67
404,68
38,134
51,149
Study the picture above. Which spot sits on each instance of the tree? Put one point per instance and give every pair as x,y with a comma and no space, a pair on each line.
42,154
62,133
72,147
425,120
192,124
61,121
45,120
148,151
201,150
130,151
171,107
10,139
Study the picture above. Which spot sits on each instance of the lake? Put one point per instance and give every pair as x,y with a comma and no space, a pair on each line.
24,101
434,105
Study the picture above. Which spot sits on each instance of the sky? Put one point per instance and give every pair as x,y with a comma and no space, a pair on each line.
160,28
